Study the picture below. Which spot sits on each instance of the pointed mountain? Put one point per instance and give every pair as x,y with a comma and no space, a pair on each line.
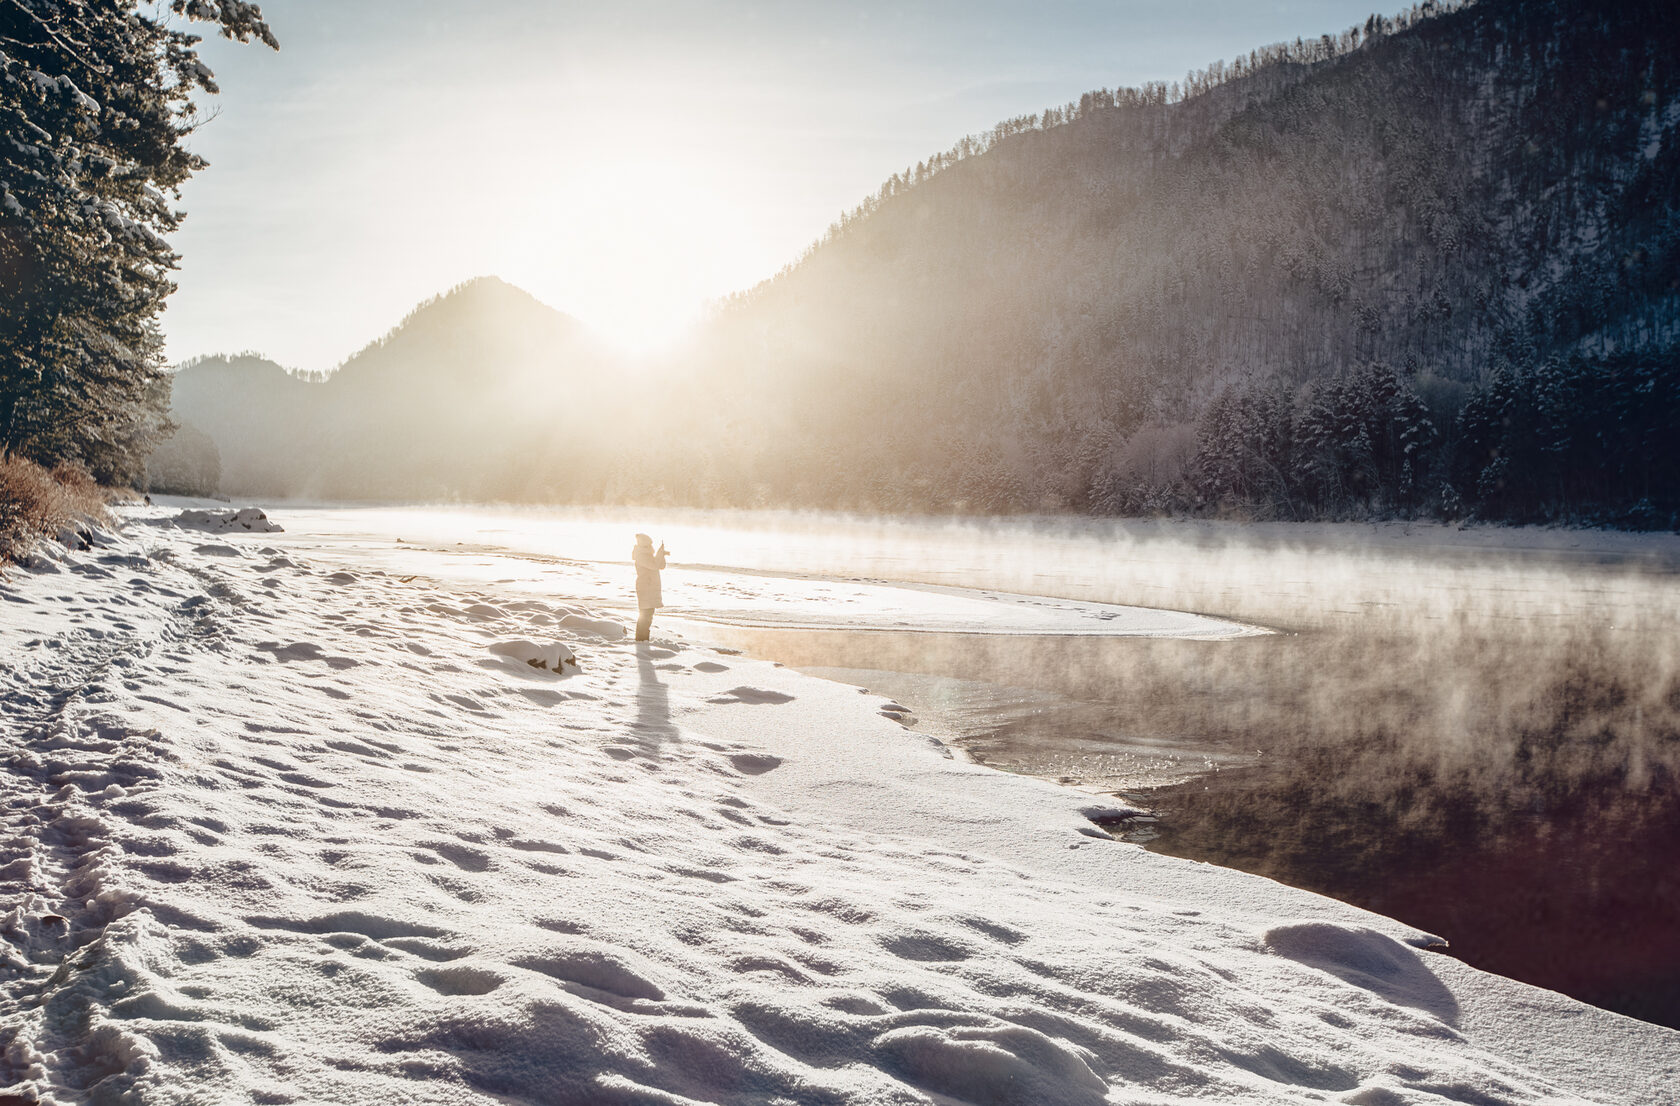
484,330
481,392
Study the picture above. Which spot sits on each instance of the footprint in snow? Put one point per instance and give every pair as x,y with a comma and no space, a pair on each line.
926,947
993,1065
755,764
373,926
531,845
460,980
462,856
304,651
345,745
995,930
426,948
593,971
745,694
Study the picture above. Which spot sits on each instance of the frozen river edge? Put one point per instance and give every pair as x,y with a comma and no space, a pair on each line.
296,832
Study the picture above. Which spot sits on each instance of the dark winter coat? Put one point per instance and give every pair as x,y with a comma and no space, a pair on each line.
648,564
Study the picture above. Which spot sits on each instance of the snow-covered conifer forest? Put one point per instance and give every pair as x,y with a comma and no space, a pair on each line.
96,103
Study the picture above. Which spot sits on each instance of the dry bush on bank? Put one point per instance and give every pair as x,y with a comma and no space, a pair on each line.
35,503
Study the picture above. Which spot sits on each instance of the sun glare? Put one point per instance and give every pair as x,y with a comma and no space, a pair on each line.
634,246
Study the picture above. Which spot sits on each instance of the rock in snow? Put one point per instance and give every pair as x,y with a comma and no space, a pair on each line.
280,831
551,656
246,518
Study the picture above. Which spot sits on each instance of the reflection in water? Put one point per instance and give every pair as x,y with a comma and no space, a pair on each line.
1583,899
1050,706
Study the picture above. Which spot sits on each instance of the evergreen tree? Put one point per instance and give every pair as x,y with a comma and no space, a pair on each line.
1246,448
96,98
1363,442
1581,437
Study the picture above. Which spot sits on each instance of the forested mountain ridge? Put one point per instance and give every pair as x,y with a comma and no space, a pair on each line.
249,410
1428,265
482,392
1131,309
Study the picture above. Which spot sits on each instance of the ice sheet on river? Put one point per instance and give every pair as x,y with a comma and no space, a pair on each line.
741,597
780,602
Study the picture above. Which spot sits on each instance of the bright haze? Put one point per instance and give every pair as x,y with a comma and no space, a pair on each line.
624,162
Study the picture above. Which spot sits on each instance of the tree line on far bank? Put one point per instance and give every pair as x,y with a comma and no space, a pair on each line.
1432,271
1583,439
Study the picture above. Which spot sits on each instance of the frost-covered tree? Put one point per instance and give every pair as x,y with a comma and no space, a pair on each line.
1583,437
1246,449
96,99
1362,441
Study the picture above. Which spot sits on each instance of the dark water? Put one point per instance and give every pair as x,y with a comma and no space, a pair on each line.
1584,899
1579,894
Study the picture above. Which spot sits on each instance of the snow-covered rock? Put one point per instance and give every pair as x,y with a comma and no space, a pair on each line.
551,656
607,628
77,537
249,519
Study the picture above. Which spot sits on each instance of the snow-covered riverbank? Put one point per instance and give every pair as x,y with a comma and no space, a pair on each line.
280,831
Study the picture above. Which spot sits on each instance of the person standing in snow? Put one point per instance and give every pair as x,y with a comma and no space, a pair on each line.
648,594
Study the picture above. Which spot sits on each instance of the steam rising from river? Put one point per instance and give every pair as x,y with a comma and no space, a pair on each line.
1507,660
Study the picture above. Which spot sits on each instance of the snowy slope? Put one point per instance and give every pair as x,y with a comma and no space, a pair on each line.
276,830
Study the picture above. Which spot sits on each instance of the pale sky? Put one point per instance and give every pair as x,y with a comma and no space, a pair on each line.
625,161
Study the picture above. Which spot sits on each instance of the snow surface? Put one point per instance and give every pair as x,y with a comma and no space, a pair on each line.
287,830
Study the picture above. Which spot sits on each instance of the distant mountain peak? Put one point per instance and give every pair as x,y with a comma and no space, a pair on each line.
480,288
247,364
483,303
